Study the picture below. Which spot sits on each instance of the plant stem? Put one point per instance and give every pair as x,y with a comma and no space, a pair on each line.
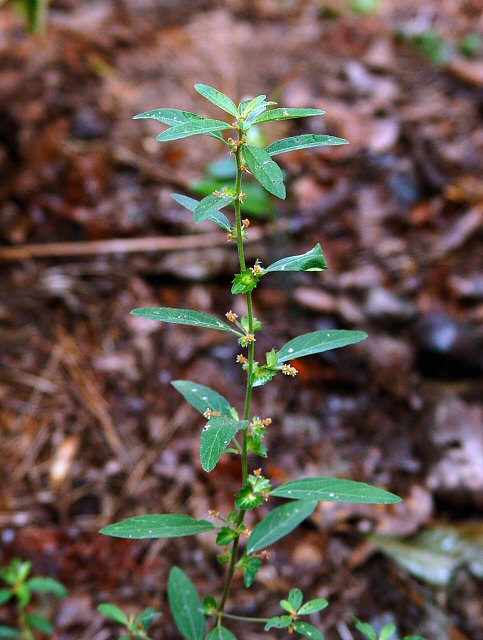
249,388
232,616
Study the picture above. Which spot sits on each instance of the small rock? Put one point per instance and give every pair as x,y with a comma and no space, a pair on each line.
455,429
382,304
75,610
315,300
391,362
87,124
448,348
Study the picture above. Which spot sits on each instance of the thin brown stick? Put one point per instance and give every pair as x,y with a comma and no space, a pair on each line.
118,245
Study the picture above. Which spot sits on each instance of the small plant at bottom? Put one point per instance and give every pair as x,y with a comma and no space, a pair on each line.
19,591
227,430
388,632
136,627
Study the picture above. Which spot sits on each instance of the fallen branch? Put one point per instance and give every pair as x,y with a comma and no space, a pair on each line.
118,245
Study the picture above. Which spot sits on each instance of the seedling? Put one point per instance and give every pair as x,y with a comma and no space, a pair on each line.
228,430
134,627
19,591
388,632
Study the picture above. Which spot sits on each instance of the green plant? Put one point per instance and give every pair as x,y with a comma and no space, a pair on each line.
35,12
19,590
224,424
136,626
388,632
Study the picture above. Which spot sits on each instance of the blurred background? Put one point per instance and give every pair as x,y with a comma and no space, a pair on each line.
90,429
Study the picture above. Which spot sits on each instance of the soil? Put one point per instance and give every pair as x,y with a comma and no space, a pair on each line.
92,431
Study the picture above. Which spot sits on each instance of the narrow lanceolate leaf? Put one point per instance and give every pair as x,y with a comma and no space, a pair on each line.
286,114
279,523
218,98
166,525
171,117
47,585
202,126
190,203
307,630
312,260
185,605
201,397
8,632
113,612
306,141
183,316
220,633
334,490
211,204
5,595
317,342
216,436
251,105
265,170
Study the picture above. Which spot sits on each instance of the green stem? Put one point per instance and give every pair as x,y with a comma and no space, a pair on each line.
232,616
249,388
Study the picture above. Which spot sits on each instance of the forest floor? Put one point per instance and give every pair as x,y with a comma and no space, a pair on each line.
90,429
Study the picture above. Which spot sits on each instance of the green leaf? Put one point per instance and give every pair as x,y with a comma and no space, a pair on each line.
113,612
265,170
171,117
148,616
244,282
258,202
365,7
307,630
201,397
218,98
278,622
211,204
366,629
202,126
39,623
286,114
220,633
183,316
262,375
250,567
306,141
5,595
225,536
185,605
334,490
215,438
8,632
279,523
248,106
317,342
295,597
190,203
23,570
387,632
285,604
209,605
47,585
312,606
312,260
157,526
